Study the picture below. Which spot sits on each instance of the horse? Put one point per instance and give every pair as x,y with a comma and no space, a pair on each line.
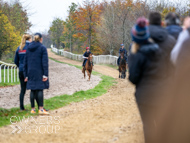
122,67
88,67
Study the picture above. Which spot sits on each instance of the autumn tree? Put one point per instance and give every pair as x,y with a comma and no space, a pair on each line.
9,37
17,16
56,31
87,17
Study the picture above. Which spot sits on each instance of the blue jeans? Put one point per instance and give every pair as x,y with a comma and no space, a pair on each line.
84,62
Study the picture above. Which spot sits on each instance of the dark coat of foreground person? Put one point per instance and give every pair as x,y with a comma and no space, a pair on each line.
166,42
36,66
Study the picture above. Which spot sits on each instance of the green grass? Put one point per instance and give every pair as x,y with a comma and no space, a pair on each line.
60,101
6,83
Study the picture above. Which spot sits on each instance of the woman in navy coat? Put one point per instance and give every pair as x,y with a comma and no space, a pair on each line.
36,72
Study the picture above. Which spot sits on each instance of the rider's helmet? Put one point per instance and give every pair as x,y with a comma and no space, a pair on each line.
87,48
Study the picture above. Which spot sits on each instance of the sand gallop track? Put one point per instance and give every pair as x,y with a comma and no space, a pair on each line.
110,118
64,79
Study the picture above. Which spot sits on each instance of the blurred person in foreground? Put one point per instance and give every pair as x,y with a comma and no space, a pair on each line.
145,66
180,119
172,21
184,35
165,41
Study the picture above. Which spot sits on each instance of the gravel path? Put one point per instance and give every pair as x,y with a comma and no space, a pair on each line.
64,79
111,118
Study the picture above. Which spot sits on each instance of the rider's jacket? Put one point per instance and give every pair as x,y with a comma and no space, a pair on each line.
86,54
123,50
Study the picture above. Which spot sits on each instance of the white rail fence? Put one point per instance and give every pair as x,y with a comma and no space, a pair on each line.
8,73
101,59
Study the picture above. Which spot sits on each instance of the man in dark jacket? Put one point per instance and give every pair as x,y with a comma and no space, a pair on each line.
85,56
122,50
145,73
165,41
172,21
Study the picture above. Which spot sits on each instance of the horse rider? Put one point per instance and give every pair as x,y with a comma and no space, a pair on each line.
122,50
85,56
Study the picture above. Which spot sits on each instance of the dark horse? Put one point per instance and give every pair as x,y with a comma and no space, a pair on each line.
122,67
88,67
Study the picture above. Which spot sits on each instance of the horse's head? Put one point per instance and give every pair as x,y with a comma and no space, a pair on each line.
122,54
90,58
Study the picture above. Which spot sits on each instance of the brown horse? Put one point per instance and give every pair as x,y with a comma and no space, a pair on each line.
122,67
88,67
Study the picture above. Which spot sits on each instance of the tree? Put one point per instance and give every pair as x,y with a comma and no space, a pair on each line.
56,31
70,27
46,39
17,16
87,17
117,20
9,37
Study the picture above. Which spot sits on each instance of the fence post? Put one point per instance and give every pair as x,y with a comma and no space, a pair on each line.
0,74
4,73
17,75
14,74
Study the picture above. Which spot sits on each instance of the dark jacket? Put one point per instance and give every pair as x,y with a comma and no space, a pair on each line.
166,43
123,50
36,66
86,54
20,55
174,30
144,72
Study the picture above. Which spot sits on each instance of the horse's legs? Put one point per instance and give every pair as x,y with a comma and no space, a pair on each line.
119,75
88,74
84,72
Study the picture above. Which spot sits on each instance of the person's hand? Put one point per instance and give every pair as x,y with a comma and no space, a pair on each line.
87,58
44,79
186,23
26,79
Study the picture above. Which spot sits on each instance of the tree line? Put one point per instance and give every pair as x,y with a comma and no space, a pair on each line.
103,26
14,22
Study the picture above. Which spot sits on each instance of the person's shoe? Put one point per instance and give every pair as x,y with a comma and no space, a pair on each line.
33,111
46,109
43,112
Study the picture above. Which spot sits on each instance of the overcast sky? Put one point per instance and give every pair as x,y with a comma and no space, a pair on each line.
44,11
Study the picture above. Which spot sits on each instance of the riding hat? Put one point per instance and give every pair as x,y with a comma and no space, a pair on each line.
87,48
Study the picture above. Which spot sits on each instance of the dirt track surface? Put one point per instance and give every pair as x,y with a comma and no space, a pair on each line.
111,118
64,79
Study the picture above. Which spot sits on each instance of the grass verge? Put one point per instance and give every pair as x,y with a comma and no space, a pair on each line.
60,101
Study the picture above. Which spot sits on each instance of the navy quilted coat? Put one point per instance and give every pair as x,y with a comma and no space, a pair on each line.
36,66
